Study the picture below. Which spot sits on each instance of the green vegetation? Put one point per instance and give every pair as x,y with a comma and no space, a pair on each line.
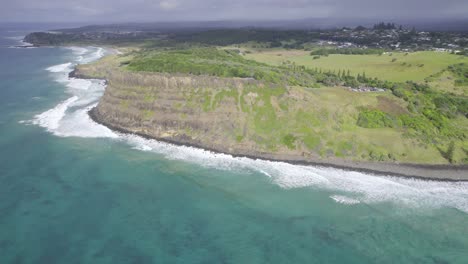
448,154
347,51
405,67
289,90
269,93
461,72
289,141
434,115
374,119
216,62
261,37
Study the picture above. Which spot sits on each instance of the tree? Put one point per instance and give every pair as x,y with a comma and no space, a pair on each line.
360,28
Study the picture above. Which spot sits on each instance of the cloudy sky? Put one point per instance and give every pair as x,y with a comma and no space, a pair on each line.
205,10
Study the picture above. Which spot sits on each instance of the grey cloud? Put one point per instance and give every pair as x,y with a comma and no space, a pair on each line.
183,10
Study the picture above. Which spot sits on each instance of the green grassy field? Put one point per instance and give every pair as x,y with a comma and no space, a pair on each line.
216,62
444,81
397,66
323,122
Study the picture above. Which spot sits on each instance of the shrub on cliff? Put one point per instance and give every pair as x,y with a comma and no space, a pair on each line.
374,119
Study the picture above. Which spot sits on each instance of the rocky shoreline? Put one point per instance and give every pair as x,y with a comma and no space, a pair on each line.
121,109
449,173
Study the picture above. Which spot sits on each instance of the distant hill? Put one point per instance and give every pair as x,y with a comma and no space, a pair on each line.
420,24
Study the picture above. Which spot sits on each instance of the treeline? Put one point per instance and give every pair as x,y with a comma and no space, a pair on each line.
225,37
348,51
385,26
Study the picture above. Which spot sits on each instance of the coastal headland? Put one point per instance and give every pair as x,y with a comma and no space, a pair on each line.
172,108
369,108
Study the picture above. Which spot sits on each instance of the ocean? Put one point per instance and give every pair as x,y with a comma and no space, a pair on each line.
73,191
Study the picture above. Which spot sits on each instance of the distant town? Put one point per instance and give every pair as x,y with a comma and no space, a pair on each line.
382,36
393,37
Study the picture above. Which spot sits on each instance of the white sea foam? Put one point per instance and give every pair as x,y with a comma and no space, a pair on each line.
79,124
65,67
26,46
369,188
344,200
17,38
96,54
69,118
79,84
20,43
78,50
50,119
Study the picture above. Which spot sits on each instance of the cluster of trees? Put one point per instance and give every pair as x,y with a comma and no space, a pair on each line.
385,26
429,117
225,37
431,110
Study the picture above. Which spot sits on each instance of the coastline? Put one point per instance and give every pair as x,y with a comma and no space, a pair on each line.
447,173
438,172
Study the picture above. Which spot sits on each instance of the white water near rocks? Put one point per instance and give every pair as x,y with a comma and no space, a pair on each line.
70,119
20,43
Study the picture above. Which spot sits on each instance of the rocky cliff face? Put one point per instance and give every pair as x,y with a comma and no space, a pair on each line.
50,39
178,108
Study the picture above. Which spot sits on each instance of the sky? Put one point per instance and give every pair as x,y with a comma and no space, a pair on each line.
216,10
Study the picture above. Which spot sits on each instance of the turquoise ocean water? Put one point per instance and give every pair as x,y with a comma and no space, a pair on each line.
72,191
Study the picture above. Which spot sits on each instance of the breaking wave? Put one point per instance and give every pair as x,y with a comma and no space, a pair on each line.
359,187
344,200
19,42
70,119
